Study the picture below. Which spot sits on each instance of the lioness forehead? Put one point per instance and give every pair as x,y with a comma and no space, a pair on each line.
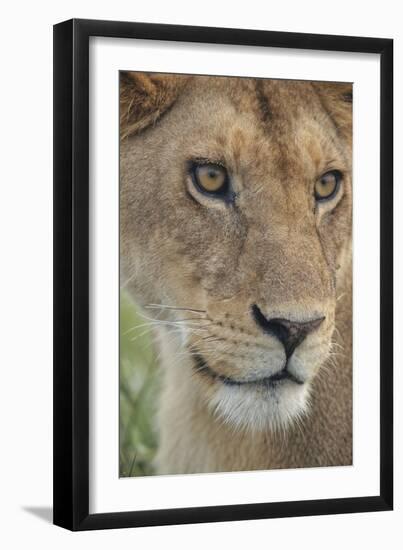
274,103
281,125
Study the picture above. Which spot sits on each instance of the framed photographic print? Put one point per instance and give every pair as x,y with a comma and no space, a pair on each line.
223,319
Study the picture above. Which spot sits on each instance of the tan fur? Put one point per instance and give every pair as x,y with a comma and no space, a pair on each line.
144,98
274,247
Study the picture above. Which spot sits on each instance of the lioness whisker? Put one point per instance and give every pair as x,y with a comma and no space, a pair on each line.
164,323
336,344
189,324
196,320
162,306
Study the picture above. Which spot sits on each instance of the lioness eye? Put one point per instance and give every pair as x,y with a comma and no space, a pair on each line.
211,178
327,185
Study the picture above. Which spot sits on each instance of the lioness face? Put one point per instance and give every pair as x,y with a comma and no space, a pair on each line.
236,214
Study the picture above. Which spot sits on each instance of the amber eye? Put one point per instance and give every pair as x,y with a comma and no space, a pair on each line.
327,185
211,178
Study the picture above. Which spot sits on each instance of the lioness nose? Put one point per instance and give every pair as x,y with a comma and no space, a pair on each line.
290,333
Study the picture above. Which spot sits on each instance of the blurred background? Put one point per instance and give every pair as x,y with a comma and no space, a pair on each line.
138,384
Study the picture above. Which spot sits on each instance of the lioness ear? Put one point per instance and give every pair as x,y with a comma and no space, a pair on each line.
144,97
337,98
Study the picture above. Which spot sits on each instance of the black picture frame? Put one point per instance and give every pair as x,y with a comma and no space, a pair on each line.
71,274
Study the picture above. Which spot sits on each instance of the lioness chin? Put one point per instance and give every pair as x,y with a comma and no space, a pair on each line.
236,204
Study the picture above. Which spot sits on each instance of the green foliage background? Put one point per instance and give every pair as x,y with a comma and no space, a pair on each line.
138,385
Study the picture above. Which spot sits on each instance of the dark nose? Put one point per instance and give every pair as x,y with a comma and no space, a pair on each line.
290,333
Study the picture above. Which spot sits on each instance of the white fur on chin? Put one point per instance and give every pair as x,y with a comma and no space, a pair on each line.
261,408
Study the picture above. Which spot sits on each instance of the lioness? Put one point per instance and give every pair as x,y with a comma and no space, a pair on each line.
236,206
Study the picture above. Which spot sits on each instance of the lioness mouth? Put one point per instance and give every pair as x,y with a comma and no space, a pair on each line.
202,367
